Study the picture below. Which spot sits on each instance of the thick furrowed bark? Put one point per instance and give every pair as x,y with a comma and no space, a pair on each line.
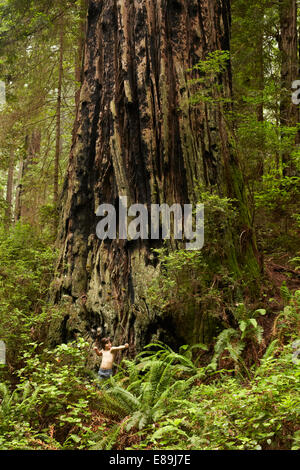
136,135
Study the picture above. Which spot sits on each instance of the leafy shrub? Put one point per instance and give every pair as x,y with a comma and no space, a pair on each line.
234,340
26,269
172,404
54,394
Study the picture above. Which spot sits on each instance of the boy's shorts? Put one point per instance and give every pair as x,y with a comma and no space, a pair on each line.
105,373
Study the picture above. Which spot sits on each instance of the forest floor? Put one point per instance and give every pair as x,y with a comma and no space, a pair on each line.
279,272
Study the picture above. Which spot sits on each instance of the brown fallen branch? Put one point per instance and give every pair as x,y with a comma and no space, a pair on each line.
279,268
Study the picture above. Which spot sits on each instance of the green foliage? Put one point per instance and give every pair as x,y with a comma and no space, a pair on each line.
161,400
49,395
189,279
278,193
201,411
171,404
205,87
179,277
195,281
145,398
288,321
106,442
252,417
29,66
26,262
234,340
295,262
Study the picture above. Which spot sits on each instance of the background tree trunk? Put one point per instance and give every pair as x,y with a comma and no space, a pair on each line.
136,135
19,189
80,50
288,45
9,188
26,202
247,47
58,112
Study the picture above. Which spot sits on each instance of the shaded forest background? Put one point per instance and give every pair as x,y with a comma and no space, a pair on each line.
227,378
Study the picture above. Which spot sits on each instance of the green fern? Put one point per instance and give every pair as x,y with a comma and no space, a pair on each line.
223,341
8,401
108,441
5,397
170,431
285,293
156,378
126,400
111,406
144,401
270,349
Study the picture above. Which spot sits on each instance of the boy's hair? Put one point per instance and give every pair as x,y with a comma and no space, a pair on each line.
104,341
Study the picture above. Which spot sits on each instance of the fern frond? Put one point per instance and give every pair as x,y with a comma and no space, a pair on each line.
224,339
4,392
26,390
135,386
235,350
109,440
270,349
111,406
151,381
4,395
285,292
32,400
127,401
133,420
165,379
145,418
169,429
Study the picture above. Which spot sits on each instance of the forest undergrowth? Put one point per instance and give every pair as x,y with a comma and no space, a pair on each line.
218,396
209,120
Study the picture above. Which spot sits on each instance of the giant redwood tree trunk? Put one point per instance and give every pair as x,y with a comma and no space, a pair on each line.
136,135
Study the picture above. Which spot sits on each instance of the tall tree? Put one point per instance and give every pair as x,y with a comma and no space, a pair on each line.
9,188
249,24
27,195
288,45
58,110
137,135
80,49
39,96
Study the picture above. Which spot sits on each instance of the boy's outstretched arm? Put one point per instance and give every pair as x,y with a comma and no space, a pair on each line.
99,353
119,348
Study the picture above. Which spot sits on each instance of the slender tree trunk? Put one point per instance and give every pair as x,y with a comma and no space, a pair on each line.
288,44
31,198
58,112
136,135
19,189
260,108
80,51
248,71
9,188
25,202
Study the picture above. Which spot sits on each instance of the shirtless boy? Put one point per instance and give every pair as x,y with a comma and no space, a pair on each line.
108,355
